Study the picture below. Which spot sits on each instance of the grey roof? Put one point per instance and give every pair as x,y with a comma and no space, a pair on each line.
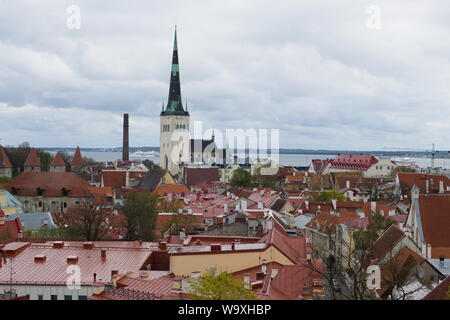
33,220
444,268
299,221
152,179
278,204
302,220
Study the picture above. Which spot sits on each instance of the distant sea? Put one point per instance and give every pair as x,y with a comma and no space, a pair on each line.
297,160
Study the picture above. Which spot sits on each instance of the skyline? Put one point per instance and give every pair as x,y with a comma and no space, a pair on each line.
318,75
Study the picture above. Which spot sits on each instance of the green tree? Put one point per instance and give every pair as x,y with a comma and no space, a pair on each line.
150,164
46,158
45,232
18,155
396,170
219,287
178,222
330,195
241,178
377,224
4,180
140,212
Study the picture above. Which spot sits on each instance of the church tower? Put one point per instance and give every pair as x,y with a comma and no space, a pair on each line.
174,121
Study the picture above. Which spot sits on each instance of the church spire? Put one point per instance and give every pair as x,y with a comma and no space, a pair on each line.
174,103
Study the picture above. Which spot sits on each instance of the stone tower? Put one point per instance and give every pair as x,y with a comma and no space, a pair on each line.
174,121
58,164
32,163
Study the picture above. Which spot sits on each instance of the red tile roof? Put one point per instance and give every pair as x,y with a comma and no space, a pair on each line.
435,215
77,160
197,176
32,159
286,282
10,230
292,247
404,261
386,242
58,161
116,179
319,165
171,189
129,288
297,177
4,160
103,195
51,183
408,180
326,222
353,161
441,292
160,287
362,223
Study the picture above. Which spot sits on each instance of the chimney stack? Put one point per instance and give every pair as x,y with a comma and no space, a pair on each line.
125,148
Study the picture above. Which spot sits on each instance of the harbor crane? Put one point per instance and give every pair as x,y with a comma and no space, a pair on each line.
433,153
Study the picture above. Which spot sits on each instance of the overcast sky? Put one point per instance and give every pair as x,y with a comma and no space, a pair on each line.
313,69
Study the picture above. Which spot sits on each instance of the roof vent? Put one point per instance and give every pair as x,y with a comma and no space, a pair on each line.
162,245
72,259
40,258
58,244
88,245
257,284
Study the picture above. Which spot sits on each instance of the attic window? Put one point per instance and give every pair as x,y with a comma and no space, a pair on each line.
39,191
64,192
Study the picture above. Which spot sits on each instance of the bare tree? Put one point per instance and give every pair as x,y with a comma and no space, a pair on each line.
91,220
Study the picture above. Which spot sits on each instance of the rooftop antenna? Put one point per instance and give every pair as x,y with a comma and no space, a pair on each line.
11,273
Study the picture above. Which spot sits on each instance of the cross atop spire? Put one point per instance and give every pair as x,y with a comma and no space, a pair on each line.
174,103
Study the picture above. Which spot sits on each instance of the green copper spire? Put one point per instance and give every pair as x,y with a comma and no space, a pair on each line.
174,103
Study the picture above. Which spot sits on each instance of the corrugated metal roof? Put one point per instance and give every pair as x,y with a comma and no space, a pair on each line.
120,256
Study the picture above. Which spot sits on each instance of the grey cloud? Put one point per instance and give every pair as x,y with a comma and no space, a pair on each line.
313,70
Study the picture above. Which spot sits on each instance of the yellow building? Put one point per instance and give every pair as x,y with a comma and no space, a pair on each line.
202,259
9,204
275,246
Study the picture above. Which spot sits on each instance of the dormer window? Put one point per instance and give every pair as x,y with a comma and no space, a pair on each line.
64,192
39,191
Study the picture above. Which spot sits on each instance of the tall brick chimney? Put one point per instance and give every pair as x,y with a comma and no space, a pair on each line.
125,148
